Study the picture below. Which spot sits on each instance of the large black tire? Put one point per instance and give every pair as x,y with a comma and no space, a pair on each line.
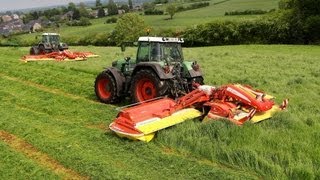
106,88
42,49
34,51
147,85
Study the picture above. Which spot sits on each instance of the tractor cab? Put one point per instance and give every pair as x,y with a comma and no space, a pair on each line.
50,38
159,49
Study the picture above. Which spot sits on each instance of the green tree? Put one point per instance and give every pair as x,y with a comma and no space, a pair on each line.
76,14
64,9
71,6
83,10
125,7
130,4
98,3
303,18
171,9
112,8
35,15
101,12
148,5
128,28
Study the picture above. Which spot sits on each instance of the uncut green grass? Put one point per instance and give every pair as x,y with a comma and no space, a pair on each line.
285,146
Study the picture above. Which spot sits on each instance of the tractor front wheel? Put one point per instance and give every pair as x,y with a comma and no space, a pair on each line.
106,88
146,85
34,51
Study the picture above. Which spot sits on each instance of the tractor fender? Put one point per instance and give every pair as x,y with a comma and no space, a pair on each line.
155,67
45,45
118,76
189,70
194,73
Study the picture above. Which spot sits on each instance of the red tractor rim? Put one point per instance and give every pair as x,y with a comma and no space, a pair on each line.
104,89
145,90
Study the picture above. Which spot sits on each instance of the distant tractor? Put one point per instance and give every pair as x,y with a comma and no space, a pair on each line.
50,43
158,70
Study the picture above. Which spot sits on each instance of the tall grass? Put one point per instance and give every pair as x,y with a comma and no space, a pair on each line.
282,147
52,106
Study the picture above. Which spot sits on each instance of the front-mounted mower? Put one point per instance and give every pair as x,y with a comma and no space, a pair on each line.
158,70
51,48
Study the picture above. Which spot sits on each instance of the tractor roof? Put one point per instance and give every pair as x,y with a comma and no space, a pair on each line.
160,39
50,34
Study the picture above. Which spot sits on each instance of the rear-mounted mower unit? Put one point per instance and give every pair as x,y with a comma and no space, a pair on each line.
234,102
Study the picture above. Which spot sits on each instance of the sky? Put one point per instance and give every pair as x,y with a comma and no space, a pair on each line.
8,5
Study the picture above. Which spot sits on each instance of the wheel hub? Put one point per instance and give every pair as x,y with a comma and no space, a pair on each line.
145,90
104,88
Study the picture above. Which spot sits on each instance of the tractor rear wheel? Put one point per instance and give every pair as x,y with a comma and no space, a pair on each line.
42,49
106,88
147,85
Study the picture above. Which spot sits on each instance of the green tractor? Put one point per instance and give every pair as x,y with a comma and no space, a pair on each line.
50,42
158,70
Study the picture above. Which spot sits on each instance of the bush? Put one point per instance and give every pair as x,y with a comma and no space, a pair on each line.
82,22
111,20
153,12
261,31
193,6
247,12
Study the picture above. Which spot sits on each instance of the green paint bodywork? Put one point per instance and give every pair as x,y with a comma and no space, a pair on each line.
127,69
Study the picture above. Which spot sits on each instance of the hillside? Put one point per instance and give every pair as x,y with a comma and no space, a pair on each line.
52,125
181,20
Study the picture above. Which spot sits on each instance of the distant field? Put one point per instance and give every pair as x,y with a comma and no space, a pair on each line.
52,126
180,21
211,13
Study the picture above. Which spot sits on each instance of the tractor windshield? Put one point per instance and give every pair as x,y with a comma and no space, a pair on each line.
51,39
172,52
54,39
155,51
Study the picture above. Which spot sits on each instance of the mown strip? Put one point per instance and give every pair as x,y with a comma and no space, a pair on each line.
47,89
14,165
41,158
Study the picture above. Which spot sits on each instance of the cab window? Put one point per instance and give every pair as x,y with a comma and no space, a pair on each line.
143,52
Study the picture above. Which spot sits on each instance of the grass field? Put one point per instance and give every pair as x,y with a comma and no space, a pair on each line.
180,21
52,126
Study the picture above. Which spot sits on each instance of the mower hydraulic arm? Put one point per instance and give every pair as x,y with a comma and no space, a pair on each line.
195,96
